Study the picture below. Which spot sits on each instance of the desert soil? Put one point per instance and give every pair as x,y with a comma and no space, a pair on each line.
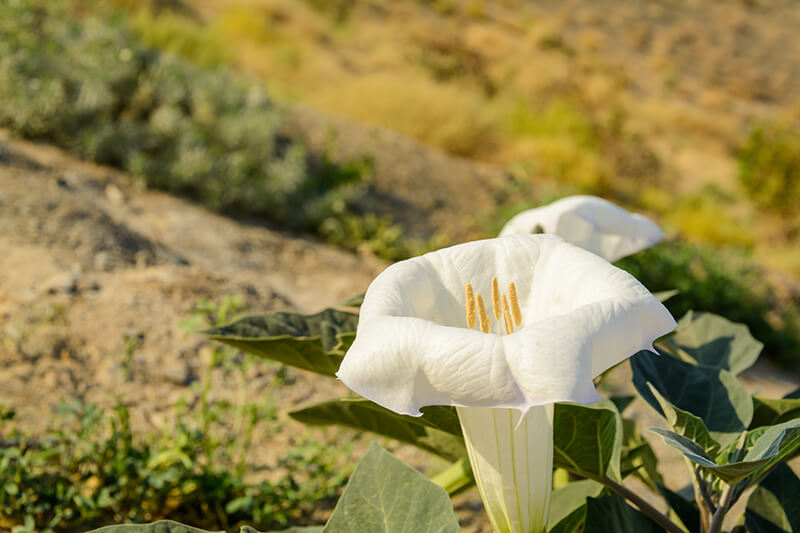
88,259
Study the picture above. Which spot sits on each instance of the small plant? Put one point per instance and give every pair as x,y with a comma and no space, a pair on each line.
769,166
92,467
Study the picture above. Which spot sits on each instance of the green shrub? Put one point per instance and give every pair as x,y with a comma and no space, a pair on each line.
92,469
90,86
723,282
769,166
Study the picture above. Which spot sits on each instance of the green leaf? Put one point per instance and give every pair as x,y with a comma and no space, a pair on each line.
772,508
685,509
611,513
386,495
355,301
637,457
162,526
663,296
686,424
769,411
712,394
622,402
773,445
568,505
712,340
437,430
793,394
308,529
686,446
311,342
586,439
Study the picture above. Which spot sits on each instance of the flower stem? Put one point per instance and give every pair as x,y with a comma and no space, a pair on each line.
456,478
661,519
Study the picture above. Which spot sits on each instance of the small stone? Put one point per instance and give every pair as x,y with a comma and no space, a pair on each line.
61,283
114,194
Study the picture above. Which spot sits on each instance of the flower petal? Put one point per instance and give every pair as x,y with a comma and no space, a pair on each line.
580,314
592,223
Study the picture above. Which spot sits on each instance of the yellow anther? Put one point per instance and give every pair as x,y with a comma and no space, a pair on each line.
515,311
495,299
482,316
470,306
507,317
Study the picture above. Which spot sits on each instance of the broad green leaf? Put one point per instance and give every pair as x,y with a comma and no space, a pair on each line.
712,394
586,439
774,445
311,342
685,509
769,411
611,513
437,430
686,424
773,506
386,495
568,505
162,526
712,340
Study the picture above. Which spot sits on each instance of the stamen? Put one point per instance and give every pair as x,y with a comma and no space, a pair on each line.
507,317
482,316
470,306
495,299
515,311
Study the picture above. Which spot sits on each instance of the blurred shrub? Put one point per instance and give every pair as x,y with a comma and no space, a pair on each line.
180,35
706,216
724,282
89,86
448,117
769,166
377,235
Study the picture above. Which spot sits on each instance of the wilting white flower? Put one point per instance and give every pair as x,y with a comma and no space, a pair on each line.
590,222
568,316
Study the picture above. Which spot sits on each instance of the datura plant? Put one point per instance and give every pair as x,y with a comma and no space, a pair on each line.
567,315
590,222
486,354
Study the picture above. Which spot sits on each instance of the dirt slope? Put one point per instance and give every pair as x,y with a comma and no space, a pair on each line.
87,260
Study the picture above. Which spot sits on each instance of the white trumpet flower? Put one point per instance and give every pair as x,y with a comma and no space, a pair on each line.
568,315
590,222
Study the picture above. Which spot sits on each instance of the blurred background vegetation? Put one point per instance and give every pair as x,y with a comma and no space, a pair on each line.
192,97
685,111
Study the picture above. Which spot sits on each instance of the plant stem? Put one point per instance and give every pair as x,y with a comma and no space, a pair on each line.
455,478
702,488
722,509
661,519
